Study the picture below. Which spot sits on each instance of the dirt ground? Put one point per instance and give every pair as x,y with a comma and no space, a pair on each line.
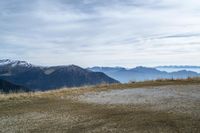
166,108
176,98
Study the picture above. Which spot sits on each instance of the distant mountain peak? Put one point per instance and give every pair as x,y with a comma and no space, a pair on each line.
142,73
145,69
109,69
14,63
52,77
141,67
178,66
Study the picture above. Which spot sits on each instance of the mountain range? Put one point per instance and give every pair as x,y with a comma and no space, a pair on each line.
46,78
21,74
142,73
174,68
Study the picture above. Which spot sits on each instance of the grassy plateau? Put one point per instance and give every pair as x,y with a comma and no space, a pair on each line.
66,111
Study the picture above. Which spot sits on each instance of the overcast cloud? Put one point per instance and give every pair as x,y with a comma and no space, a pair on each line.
101,32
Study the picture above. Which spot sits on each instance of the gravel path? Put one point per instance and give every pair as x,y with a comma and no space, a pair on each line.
181,98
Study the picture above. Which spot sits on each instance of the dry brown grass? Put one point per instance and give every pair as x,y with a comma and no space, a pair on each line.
102,87
55,111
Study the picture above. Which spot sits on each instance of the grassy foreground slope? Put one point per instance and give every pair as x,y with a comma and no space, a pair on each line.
59,111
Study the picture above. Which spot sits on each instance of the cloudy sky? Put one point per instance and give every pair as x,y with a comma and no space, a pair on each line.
101,32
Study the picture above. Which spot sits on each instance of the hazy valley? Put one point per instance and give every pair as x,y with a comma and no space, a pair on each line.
125,75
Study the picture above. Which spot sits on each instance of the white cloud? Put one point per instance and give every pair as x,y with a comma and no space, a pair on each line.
92,32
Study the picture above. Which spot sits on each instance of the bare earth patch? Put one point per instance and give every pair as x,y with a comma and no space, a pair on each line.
180,98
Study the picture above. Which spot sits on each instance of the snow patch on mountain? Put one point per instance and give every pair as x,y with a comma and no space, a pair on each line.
49,71
14,63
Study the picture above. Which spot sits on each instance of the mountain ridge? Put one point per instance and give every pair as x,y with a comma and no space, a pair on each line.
143,73
178,66
53,77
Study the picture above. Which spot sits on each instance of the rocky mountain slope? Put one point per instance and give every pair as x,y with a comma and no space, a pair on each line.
45,78
7,87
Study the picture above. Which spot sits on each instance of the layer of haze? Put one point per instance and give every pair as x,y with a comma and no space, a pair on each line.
101,32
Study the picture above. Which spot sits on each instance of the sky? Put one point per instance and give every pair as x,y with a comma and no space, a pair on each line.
101,32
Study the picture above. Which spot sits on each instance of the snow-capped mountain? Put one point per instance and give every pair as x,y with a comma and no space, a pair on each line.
14,63
45,78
